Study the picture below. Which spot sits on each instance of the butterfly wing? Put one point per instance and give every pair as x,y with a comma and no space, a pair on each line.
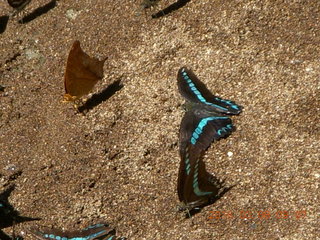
198,129
18,4
192,89
82,73
97,231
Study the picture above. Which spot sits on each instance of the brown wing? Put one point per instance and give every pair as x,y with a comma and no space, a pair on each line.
82,72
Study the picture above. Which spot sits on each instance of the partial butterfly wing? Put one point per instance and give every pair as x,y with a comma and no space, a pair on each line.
192,89
8,215
195,184
97,232
18,4
198,129
82,73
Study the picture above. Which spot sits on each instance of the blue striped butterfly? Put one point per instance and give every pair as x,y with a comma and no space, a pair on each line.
95,232
206,120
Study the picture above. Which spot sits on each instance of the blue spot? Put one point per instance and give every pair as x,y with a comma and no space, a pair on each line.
198,131
196,188
187,162
195,135
202,124
198,94
194,90
193,141
228,102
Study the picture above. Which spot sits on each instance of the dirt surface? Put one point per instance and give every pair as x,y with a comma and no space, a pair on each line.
118,162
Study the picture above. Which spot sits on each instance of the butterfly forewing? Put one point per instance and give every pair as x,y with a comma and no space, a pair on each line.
192,89
82,73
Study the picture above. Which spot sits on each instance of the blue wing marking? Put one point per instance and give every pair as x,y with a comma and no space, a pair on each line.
196,188
228,102
199,95
91,236
199,129
224,129
187,162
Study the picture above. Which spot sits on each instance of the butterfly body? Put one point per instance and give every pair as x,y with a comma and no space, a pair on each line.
82,73
206,120
94,232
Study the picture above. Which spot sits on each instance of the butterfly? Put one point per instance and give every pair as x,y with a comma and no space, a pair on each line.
100,231
206,120
18,5
82,73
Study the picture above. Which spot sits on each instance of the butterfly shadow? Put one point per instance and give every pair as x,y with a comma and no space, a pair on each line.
38,12
3,25
171,8
100,97
8,215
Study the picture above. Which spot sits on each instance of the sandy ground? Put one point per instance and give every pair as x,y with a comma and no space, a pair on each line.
118,162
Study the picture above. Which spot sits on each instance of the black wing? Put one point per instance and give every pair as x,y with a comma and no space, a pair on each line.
198,129
192,89
8,215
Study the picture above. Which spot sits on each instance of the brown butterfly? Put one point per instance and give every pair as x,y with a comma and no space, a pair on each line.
82,73
18,5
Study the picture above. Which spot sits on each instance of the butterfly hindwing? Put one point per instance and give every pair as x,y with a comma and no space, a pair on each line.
192,89
198,129
195,187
